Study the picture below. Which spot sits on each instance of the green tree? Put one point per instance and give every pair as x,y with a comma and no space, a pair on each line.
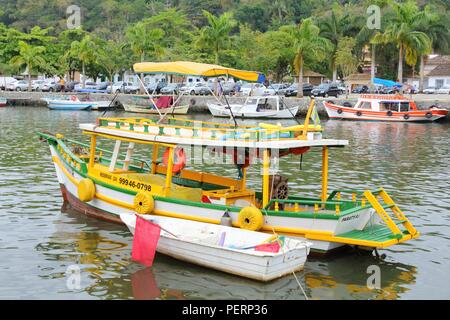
402,30
85,51
144,41
308,45
345,60
29,56
216,34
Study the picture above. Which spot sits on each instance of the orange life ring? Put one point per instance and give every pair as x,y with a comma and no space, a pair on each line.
180,159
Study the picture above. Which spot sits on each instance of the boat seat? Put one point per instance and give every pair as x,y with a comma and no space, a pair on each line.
176,191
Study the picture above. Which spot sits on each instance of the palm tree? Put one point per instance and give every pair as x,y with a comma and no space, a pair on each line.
344,58
143,40
332,28
85,51
29,56
308,45
216,33
403,31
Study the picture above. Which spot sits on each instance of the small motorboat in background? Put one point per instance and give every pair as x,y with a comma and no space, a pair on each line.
65,104
383,108
226,249
255,107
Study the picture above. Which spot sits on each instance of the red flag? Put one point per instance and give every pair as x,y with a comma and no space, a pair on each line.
146,236
268,247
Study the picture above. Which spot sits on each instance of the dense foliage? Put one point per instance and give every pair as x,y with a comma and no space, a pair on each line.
263,35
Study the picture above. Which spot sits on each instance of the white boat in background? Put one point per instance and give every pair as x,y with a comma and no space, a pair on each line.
74,103
225,248
152,110
3,102
255,107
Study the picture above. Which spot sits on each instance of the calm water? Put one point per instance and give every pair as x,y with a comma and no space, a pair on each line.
39,239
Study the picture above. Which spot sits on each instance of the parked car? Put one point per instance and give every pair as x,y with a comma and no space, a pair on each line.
228,87
361,89
292,91
390,90
51,86
443,90
20,85
256,89
70,86
195,88
171,88
325,90
5,81
124,87
37,84
430,90
155,87
279,87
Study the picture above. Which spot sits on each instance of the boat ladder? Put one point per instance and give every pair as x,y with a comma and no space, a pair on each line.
387,203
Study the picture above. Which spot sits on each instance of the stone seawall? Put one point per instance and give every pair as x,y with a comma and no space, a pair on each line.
199,103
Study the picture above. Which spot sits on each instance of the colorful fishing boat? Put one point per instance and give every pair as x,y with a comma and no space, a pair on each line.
3,102
237,251
105,183
383,108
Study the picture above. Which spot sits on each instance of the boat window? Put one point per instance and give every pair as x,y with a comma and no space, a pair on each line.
404,106
267,104
252,101
365,105
389,106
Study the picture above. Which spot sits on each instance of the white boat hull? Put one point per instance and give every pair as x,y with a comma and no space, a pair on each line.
222,111
196,243
110,203
148,110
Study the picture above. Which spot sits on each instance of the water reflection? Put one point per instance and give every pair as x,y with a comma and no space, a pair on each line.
38,243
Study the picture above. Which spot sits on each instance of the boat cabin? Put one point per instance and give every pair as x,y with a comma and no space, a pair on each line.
385,103
262,104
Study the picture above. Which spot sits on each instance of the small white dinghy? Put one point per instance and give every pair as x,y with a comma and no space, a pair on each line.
224,248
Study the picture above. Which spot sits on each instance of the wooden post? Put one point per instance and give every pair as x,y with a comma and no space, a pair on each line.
128,156
266,165
244,179
169,172
324,173
115,155
92,151
154,158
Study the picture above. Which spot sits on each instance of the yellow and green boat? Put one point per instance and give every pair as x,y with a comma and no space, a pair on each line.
104,182
104,178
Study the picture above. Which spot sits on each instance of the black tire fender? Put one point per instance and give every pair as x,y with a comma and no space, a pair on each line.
406,116
389,113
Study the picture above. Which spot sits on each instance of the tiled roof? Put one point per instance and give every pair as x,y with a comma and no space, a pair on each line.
440,70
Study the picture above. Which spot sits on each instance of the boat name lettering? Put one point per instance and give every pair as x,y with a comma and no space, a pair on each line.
134,184
106,176
354,217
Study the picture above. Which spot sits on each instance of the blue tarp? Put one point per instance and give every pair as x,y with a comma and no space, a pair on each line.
386,83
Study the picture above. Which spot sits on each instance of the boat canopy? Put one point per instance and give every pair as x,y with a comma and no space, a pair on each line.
386,83
196,69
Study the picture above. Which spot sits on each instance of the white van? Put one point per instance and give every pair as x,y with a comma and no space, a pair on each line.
5,81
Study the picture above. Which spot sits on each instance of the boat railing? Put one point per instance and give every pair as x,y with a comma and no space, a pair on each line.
67,154
140,162
216,130
296,203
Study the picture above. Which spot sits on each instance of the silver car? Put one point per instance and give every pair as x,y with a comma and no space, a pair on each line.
196,88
